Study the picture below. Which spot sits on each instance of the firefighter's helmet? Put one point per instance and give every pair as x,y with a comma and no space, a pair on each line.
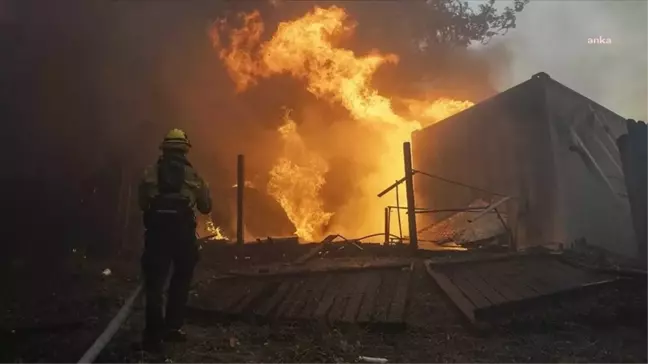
176,139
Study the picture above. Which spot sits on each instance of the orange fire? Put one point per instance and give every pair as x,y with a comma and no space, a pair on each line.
305,49
296,181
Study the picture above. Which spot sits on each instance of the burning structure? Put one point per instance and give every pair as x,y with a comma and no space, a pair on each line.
361,122
552,150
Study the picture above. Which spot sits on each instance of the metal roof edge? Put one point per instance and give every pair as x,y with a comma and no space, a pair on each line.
489,101
540,79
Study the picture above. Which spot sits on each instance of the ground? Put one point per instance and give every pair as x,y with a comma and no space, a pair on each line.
607,325
53,312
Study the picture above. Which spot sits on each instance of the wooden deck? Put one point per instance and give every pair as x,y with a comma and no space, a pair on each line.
364,295
478,286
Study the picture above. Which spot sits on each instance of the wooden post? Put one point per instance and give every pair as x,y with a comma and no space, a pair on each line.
125,238
398,213
409,189
240,185
387,222
118,216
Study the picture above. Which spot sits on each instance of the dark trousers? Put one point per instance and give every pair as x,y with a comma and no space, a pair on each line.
166,248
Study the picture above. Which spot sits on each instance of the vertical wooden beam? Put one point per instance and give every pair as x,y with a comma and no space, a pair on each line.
117,221
398,212
240,185
127,217
409,189
387,222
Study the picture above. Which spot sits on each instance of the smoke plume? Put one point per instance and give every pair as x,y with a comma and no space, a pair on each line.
552,36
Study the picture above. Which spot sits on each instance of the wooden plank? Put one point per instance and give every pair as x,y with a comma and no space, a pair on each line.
300,299
331,268
231,296
206,299
259,289
499,257
328,298
321,283
543,279
540,285
453,292
338,308
483,287
511,277
570,276
397,308
494,277
511,273
265,308
521,287
353,306
369,297
559,277
385,296
607,272
518,280
471,292
242,292
577,271
290,298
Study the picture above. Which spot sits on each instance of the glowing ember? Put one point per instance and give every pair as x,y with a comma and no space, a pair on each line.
247,184
305,49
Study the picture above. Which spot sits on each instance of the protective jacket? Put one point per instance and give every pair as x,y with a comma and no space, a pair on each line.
171,185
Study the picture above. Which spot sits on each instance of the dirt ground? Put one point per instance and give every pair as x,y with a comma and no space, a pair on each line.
55,317
52,310
53,313
605,325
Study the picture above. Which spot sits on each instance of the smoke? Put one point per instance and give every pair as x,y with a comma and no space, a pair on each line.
95,84
423,68
552,36
100,76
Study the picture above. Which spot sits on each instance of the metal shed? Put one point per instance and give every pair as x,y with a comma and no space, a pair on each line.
550,148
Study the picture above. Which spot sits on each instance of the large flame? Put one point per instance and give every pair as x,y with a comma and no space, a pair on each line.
295,182
305,49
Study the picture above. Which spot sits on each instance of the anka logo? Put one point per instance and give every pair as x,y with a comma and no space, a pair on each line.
599,40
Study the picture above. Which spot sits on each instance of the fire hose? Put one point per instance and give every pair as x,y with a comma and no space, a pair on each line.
112,328
115,324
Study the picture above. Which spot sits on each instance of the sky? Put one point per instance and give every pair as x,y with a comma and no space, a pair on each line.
551,36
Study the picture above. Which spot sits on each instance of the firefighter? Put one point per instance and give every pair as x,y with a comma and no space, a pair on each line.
169,194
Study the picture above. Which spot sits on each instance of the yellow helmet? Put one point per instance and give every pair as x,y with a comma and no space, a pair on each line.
176,139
